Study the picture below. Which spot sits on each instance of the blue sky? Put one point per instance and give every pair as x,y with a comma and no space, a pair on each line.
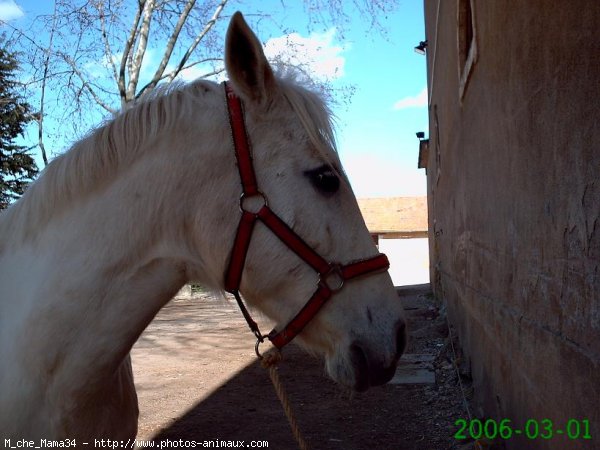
376,130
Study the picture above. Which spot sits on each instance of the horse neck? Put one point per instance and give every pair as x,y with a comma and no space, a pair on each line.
104,267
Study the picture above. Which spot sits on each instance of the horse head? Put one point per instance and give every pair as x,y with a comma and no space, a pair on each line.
360,329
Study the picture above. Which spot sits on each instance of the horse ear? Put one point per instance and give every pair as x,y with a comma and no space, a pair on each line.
246,64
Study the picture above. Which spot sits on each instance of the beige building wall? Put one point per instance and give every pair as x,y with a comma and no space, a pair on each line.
409,260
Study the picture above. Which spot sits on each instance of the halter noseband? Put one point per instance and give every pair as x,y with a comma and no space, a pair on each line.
331,275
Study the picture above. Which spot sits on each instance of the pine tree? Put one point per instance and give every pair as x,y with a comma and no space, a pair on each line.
17,167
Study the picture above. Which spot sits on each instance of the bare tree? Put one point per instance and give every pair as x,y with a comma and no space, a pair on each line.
101,55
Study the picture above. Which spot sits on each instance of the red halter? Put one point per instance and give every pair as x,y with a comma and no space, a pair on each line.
327,271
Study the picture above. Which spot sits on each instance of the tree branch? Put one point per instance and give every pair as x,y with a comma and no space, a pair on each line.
20,33
40,116
158,75
172,74
127,51
107,49
198,38
214,72
85,84
141,49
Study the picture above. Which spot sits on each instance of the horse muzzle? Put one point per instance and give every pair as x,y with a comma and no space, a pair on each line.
370,367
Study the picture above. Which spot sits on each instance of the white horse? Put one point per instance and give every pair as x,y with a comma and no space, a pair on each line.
114,227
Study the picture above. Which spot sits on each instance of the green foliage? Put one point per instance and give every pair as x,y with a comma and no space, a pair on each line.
17,167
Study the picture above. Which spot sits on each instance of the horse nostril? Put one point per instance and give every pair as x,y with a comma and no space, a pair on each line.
400,337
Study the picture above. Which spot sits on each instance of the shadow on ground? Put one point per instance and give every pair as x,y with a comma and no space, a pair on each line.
394,416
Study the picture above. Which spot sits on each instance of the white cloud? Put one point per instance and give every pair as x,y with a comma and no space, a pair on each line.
416,101
9,10
189,74
200,70
317,55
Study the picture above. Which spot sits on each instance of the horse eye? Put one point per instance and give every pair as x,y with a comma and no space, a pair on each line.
324,179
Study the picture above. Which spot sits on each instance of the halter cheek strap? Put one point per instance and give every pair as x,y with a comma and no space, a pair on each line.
332,276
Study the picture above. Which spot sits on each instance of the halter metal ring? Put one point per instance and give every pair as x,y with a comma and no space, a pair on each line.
244,207
256,349
335,273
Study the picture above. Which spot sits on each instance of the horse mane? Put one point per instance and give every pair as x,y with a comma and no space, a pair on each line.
94,160
97,157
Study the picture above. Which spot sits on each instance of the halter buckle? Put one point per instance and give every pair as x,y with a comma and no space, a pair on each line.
333,279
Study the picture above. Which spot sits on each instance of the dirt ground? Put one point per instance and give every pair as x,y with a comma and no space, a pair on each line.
198,379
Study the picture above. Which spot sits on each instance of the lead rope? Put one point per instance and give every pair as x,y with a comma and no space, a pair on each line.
269,361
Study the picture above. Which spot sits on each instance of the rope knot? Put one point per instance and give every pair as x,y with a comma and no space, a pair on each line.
271,358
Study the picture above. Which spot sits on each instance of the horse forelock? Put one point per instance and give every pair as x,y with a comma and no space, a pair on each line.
315,116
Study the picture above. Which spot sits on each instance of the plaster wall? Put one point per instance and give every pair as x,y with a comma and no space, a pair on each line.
513,177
